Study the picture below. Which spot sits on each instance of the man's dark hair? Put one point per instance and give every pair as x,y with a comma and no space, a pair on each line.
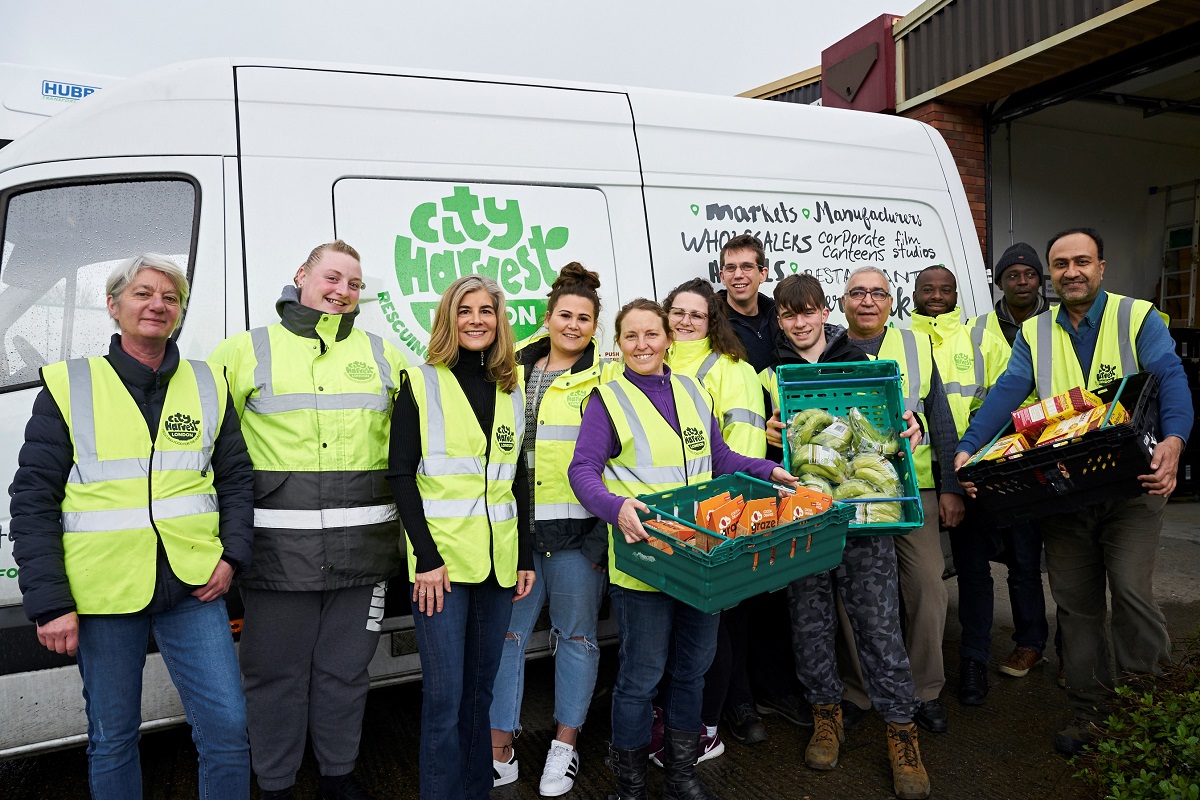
746,241
933,267
799,293
1090,232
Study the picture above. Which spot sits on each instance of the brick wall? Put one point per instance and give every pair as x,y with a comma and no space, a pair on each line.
962,128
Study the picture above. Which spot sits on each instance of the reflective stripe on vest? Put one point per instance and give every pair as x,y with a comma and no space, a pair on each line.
709,362
979,389
317,519
267,402
1116,339
916,383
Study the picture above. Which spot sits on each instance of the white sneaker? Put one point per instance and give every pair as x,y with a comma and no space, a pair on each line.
562,765
504,773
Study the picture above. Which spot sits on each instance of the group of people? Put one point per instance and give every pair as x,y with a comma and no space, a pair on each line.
307,457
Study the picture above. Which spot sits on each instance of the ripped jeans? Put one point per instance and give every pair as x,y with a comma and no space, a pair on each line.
575,591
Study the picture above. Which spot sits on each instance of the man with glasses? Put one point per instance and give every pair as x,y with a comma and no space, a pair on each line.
868,302
752,314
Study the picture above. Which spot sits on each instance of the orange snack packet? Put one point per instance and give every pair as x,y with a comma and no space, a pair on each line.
672,528
757,517
804,503
705,508
725,518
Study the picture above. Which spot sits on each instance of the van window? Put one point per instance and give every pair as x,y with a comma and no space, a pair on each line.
60,243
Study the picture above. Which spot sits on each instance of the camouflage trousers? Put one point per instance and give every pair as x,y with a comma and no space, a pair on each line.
868,584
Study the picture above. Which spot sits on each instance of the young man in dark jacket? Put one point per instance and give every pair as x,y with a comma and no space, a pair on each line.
867,581
752,314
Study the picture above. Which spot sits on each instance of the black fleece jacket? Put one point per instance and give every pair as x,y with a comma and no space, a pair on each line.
40,483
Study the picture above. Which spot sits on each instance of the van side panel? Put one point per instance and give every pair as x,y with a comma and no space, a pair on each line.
827,191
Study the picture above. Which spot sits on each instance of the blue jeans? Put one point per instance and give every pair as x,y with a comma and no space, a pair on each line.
460,651
975,544
197,648
658,634
575,591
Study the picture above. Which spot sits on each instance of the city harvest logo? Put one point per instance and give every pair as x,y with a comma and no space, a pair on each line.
964,362
181,427
469,232
1106,373
360,371
694,439
506,438
575,399
65,92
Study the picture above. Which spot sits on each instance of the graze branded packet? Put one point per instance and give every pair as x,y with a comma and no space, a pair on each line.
757,517
672,528
705,509
804,503
726,517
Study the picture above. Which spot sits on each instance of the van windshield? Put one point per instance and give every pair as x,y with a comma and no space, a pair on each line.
60,244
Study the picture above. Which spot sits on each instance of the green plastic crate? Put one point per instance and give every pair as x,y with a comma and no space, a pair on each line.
736,568
874,388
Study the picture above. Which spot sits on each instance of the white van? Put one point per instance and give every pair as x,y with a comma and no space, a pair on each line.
238,167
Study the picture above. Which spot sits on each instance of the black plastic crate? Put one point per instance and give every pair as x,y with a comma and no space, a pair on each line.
1095,467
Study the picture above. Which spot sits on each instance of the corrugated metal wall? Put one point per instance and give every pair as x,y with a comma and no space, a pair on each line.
965,35
809,93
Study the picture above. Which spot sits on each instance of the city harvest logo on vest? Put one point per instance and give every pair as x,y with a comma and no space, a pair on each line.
963,362
693,438
506,438
468,232
181,427
575,399
1106,373
360,371
65,92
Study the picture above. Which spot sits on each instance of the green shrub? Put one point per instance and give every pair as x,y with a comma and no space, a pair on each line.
1150,746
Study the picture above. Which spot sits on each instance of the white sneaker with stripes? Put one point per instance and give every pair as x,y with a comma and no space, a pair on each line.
504,773
562,765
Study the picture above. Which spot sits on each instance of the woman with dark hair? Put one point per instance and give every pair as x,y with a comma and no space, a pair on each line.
651,430
558,368
707,349
455,455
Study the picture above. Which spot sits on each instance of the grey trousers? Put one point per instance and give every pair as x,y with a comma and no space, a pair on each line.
919,555
304,662
1114,545
866,582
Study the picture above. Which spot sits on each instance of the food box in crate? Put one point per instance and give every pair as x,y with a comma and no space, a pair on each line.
1073,473
869,395
712,572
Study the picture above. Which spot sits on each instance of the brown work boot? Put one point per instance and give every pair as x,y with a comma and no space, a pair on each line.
1021,661
828,735
910,781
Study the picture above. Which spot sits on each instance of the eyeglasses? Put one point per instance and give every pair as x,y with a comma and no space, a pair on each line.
678,315
729,269
858,294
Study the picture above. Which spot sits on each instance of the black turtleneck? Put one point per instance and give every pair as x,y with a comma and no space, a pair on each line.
405,454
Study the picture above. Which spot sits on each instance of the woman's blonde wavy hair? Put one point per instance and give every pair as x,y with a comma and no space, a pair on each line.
443,338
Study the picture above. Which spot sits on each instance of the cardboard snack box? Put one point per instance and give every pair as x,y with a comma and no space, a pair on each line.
1034,419
705,509
1005,445
757,517
1081,423
724,519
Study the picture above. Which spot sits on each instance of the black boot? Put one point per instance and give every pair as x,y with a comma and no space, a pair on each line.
630,768
679,761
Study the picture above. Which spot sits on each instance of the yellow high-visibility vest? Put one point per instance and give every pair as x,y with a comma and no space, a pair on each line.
737,399
126,491
914,353
969,361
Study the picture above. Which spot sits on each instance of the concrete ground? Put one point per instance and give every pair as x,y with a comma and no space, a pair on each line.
1001,750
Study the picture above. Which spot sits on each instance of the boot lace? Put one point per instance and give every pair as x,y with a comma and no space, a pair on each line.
907,756
825,722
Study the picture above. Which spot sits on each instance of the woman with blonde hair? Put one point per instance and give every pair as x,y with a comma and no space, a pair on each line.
457,429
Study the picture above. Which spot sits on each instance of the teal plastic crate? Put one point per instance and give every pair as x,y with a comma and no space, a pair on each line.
874,388
738,567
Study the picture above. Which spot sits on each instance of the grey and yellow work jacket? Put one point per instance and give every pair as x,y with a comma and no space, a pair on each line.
315,398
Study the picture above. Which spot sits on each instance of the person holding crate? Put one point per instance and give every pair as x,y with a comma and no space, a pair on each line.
972,359
454,462
866,581
557,369
707,349
1095,337
651,430
868,303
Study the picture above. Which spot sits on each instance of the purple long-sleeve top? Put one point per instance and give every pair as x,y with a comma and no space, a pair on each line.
598,443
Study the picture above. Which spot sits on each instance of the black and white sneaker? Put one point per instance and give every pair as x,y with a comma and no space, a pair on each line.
562,765
504,773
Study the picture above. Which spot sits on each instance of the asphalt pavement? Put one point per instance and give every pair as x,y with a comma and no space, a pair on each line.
1001,750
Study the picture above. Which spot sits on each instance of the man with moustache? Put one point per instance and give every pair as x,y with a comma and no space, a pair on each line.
1093,338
